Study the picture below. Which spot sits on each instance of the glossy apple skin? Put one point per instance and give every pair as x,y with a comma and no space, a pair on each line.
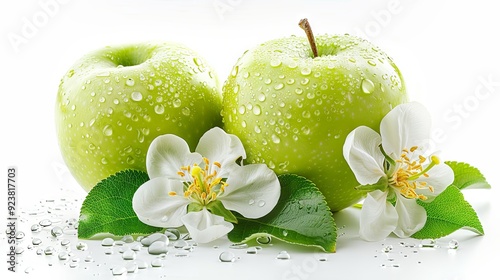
113,102
293,112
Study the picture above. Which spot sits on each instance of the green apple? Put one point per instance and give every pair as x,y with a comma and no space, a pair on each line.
113,102
293,111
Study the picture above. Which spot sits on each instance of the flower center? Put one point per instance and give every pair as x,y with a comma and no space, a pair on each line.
410,167
202,184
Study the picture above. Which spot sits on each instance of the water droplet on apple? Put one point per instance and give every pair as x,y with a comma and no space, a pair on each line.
136,96
275,62
242,109
306,114
292,65
236,89
367,86
104,161
244,124
275,138
234,72
130,82
305,71
257,110
304,82
279,86
298,91
372,63
108,130
257,129
177,103
103,74
267,81
261,97
159,109
351,59
306,130
290,81
186,111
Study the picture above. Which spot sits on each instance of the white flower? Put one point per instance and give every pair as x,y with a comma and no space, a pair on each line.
394,168
203,180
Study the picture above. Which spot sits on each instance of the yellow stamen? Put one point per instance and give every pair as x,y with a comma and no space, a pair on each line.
172,193
182,174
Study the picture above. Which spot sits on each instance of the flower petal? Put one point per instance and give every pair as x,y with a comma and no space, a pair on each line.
217,145
411,216
167,154
362,153
440,177
378,217
405,126
154,206
205,227
253,190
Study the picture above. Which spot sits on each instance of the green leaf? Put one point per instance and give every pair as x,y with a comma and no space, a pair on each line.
108,207
217,208
467,176
447,213
300,217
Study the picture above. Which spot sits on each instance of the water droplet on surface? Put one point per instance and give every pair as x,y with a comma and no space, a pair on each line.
81,246
257,110
238,246
279,86
148,240
45,223
129,254
252,250
285,232
36,228
305,71
179,244
130,82
227,257
136,96
89,259
65,242
367,86
428,243
119,270
453,244
264,240
157,262
283,255
107,130
275,62
141,264
49,250
36,241
132,268
56,231
173,234
159,109
20,235
387,249
251,202
63,256
158,247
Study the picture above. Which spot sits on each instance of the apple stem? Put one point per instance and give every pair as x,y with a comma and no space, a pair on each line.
304,24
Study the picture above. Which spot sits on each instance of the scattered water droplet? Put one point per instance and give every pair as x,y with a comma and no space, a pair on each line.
36,228
108,130
387,249
148,240
19,250
305,71
428,243
158,247
49,250
129,254
264,240
141,264
56,231
20,235
252,250
173,234
186,111
283,255
89,259
119,270
453,244
372,63
177,103
45,223
261,97
65,242
238,246
251,202
227,257
257,110
279,86
275,62
261,203
285,232
275,138
367,86
179,244
132,268
130,82
36,241
63,255
136,96
157,262
81,246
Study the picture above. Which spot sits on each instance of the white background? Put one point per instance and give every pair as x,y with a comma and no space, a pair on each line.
446,50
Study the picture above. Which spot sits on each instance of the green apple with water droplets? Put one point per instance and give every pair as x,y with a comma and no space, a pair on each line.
293,111
114,101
